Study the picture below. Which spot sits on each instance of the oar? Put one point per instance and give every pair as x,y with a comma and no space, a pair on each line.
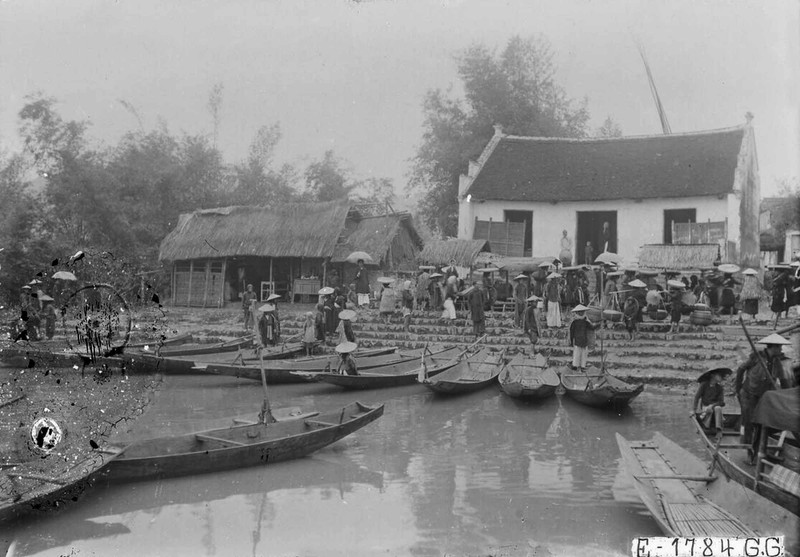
265,417
715,456
708,478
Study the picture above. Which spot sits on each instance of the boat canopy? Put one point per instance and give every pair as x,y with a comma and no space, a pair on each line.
779,409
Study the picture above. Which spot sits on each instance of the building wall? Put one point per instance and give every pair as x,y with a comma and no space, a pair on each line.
638,223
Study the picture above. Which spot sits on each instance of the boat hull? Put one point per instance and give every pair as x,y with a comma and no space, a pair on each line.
599,390
238,446
733,463
529,378
471,374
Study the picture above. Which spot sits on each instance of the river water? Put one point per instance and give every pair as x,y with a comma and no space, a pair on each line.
481,474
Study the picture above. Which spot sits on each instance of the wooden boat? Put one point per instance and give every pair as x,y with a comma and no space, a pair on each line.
23,491
529,377
394,375
777,470
302,370
471,373
238,446
686,501
598,388
171,341
207,348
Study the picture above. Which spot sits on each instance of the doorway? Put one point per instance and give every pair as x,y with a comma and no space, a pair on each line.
527,218
676,215
591,226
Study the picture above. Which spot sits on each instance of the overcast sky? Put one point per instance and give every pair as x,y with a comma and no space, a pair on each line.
351,76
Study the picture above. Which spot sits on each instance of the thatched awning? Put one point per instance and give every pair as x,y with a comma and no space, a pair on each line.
442,251
679,256
375,235
290,230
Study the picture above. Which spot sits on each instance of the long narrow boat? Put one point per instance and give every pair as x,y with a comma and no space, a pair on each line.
171,341
289,371
194,364
394,375
238,446
197,349
598,388
529,377
24,490
686,501
471,373
779,473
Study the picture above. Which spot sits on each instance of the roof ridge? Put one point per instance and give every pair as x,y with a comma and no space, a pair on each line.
623,138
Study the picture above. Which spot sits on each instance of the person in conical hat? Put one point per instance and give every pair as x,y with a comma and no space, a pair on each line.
710,398
751,292
753,380
345,328
531,319
347,364
268,325
579,331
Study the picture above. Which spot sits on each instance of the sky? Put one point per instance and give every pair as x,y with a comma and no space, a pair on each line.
351,76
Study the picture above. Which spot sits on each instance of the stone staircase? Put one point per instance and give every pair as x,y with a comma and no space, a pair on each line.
655,355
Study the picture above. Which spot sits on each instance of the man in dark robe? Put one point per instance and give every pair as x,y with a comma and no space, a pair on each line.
477,299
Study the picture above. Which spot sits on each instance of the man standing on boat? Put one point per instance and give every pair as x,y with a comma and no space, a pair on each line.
579,337
753,379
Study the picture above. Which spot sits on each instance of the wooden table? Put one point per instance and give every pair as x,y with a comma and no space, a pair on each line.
306,288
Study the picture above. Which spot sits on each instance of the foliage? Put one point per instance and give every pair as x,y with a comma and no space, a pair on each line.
328,179
515,88
609,129
257,182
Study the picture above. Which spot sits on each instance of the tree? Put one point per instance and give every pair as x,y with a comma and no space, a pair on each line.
609,129
328,179
215,107
257,182
515,88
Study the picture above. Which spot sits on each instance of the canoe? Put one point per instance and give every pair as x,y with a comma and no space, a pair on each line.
173,365
289,371
238,446
529,377
172,341
472,373
208,348
781,460
393,375
598,389
23,491
675,487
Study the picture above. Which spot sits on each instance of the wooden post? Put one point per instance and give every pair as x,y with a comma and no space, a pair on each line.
189,294
205,285
324,271
271,283
222,286
291,278
174,281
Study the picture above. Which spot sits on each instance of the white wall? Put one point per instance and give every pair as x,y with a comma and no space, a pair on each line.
638,223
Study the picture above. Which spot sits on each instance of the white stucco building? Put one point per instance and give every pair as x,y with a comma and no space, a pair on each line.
638,185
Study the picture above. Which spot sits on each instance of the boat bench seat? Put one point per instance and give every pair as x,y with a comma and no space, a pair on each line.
782,477
227,442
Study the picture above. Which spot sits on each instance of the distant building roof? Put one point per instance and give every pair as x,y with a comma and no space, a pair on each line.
558,169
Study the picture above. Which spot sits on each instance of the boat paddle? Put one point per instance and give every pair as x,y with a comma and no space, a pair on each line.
265,416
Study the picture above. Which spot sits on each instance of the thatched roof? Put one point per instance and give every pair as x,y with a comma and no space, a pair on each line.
442,251
679,256
375,235
290,230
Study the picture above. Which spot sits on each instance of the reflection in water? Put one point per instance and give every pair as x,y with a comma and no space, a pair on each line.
434,475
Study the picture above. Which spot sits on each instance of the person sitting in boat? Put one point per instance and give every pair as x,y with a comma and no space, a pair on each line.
345,329
710,398
347,364
579,337
753,380
268,326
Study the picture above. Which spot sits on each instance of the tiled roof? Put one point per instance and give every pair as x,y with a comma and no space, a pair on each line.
555,169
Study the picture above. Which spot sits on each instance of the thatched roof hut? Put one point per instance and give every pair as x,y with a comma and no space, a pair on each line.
391,240
679,256
290,230
463,251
